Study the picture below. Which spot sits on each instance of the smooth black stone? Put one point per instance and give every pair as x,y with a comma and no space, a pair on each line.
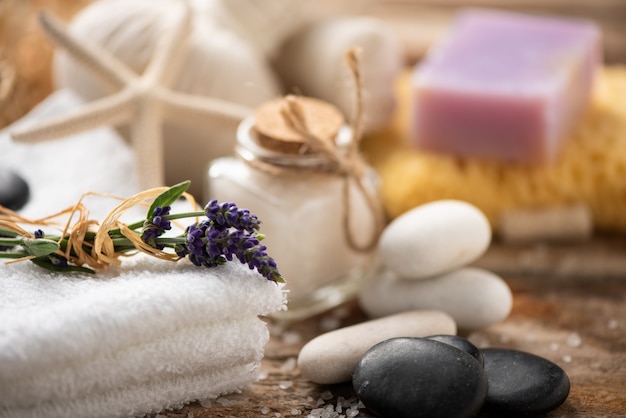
460,343
417,377
14,191
522,383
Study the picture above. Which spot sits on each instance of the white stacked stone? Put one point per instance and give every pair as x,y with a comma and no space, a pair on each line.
425,254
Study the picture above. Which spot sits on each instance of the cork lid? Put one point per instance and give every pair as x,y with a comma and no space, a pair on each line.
272,131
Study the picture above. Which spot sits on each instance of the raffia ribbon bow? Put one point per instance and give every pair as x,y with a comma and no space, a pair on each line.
350,164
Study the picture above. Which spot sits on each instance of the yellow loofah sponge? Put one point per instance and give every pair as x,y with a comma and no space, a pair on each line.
590,170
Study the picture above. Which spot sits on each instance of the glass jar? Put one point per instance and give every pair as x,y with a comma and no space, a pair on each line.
321,225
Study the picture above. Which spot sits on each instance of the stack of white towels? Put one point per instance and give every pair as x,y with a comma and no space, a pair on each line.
131,340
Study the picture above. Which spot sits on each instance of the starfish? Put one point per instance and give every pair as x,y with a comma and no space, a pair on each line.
141,101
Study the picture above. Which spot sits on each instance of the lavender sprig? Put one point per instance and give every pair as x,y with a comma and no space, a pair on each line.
227,233
210,244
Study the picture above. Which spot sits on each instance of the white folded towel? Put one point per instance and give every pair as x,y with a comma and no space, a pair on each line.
131,340
139,338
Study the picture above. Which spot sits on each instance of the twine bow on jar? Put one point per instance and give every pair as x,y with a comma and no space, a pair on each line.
345,162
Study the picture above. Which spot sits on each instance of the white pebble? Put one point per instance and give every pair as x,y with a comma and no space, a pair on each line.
475,298
567,358
331,357
265,410
434,238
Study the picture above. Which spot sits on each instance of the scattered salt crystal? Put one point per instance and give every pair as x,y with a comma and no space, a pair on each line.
263,374
285,384
343,401
296,412
329,323
226,401
206,403
292,337
309,399
289,364
567,359
319,402
326,395
317,412
265,410
574,340
554,346
332,411
612,324
277,414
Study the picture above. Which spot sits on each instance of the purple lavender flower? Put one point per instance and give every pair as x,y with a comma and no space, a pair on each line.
228,215
209,244
156,226
38,233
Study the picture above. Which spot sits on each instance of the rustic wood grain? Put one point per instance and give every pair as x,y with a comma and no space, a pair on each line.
546,315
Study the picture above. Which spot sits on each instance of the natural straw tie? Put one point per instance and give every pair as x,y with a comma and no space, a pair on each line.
348,164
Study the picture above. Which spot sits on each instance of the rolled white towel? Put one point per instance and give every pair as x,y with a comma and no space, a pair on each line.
146,336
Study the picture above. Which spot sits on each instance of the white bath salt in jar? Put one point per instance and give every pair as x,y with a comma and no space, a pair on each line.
299,170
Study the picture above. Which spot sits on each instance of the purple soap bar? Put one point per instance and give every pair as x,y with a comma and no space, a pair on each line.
505,86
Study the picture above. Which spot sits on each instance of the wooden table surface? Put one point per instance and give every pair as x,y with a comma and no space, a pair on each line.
575,319
569,300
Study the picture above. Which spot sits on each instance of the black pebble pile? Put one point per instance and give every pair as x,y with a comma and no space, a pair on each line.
447,376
